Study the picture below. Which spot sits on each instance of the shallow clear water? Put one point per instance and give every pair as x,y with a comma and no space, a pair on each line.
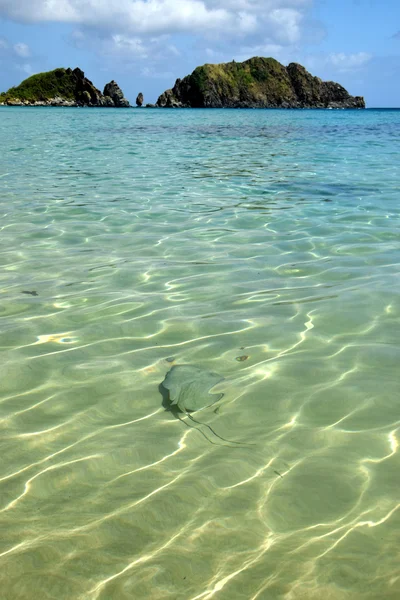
149,239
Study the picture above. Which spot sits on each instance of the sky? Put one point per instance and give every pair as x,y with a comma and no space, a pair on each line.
146,44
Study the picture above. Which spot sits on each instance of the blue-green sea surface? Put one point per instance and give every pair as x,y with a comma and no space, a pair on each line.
263,246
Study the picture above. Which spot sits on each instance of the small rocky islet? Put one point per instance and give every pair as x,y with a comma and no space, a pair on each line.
255,83
63,87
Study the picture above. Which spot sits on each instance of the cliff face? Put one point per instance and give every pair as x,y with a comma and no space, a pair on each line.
63,87
113,91
256,83
313,92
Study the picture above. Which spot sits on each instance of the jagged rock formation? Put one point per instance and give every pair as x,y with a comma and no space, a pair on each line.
139,99
256,83
113,91
63,87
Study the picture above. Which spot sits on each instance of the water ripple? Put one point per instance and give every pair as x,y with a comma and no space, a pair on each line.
257,244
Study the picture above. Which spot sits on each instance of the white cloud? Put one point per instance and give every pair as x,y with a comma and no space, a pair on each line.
286,22
277,20
153,74
22,50
339,62
13,57
129,32
128,45
349,62
130,53
26,68
269,50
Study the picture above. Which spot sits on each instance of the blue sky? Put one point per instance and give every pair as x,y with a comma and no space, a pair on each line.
146,44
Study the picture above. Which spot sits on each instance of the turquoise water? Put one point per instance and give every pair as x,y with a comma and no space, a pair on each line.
262,245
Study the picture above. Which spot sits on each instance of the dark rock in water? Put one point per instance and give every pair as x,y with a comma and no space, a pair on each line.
84,92
174,98
139,99
256,83
108,101
62,87
151,106
113,91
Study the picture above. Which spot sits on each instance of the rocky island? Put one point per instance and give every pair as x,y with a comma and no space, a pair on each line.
63,87
256,83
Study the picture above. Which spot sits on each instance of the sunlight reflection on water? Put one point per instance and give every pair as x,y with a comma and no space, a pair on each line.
262,245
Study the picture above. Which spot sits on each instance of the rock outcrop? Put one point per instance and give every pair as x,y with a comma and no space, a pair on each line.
63,87
256,83
113,91
312,91
139,99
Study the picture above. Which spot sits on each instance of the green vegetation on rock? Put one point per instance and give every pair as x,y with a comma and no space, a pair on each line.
256,83
43,86
63,87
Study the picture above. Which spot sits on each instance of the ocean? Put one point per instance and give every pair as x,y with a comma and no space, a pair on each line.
260,245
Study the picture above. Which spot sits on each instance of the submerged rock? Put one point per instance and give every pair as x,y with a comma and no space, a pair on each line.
256,83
